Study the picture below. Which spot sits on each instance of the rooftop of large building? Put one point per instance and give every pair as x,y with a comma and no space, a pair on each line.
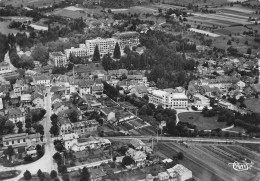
57,54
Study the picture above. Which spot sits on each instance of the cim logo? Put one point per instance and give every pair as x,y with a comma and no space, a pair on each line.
241,166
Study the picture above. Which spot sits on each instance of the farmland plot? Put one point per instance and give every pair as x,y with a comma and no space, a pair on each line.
224,18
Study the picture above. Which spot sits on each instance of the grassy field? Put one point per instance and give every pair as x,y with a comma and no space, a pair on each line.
5,30
200,3
231,30
253,104
201,122
221,42
36,3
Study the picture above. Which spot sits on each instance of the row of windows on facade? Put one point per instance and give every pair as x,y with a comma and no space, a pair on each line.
18,141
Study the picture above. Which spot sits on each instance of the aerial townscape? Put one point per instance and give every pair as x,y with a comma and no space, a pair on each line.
129,90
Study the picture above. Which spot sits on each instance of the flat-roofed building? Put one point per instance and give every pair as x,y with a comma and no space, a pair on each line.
167,100
58,59
129,38
105,46
77,52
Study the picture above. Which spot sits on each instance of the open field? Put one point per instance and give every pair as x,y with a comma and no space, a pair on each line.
36,3
231,30
253,104
202,123
238,43
223,17
229,10
210,162
208,22
4,28
254,27
196,2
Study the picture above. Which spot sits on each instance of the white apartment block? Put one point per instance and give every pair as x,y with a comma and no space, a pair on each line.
77,52
106,46
58,59
167,100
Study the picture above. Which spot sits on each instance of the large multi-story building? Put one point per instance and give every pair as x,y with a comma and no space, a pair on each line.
105,46
222,82
168,100
77,52
58,59
129,38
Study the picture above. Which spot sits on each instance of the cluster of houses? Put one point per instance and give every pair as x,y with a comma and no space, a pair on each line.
176,173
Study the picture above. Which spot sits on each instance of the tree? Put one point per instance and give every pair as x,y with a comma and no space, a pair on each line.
73,116
9,151
28,158
57,157
38,128
42,177
229,42
20,127
180,156
249,51
40,53
39,173
53,174
54,130
65,177
27,175
9,125
127,160
62,168
84,175
96,55
117,52
127,50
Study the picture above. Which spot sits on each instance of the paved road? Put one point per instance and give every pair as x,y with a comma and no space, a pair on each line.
46,163
7,59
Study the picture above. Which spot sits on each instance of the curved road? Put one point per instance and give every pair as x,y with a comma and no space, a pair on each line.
46,163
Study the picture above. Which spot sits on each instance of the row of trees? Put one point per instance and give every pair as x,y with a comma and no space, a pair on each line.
54,128
42,176
3,46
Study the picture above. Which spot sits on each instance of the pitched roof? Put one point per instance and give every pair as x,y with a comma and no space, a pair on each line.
99,81
14,136
97,88
141,89
41,77
55,96
136,142
135,77
256,87
36,95
86,83
57,89
14,111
